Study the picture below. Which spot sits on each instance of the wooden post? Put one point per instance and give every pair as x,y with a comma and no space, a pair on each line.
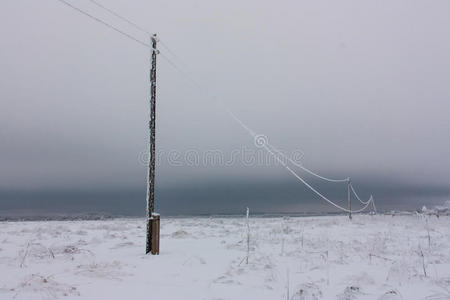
152,244
248,236
155,234
349,199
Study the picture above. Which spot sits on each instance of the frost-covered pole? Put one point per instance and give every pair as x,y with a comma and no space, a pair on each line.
349,199
152,218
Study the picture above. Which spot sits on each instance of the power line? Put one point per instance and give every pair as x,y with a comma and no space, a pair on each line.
106,24
271,149
174,65
308,170
171,52
357,197
120,17
138,27
181,71
126,34
311,188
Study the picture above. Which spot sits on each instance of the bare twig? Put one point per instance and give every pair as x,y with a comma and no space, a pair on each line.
423,261
287,284
428,231
51,253
381,257
25,255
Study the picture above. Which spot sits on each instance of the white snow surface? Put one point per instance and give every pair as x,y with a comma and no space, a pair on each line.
369,257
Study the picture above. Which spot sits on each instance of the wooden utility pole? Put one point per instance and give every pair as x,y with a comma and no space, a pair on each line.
349,199
152,218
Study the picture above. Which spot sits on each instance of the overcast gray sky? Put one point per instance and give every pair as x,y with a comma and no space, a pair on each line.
361,87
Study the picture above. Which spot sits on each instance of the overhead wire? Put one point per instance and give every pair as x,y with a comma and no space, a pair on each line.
308,170
312,188
125,33
162,43
271,149
138,27
119,16
364,202
105,23
357,197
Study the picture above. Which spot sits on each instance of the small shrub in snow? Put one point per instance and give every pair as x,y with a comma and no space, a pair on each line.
180,234
307,291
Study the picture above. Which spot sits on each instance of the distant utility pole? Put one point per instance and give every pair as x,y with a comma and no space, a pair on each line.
152,218
349,199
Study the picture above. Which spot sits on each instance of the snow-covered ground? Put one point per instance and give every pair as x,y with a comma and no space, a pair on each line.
370,257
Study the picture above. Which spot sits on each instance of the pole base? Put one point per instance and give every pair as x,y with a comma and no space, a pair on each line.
153,229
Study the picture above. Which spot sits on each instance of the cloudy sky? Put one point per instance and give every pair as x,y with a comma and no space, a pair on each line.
361,88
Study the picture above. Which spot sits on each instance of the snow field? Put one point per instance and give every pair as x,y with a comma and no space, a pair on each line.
370,257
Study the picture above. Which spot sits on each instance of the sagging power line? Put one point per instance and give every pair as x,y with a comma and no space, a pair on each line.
271,149
105,23
120,17
127,35
136,26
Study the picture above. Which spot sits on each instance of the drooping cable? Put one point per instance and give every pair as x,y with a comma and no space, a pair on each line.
119,16
105,23
312,188
266,145
357,197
